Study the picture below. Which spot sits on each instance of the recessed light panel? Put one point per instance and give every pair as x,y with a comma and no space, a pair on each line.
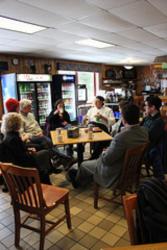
10,24
94,43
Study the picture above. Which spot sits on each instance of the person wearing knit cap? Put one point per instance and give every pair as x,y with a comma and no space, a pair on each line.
12,105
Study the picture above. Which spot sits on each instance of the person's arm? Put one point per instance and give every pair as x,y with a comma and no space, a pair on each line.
156,131
111,117
20,154
66,117
115,151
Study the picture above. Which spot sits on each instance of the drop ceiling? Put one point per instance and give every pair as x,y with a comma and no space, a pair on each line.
137,28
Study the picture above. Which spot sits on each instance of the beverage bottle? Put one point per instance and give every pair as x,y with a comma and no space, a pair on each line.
59,135
90,133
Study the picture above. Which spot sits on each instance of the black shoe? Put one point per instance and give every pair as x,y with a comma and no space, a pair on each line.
56,170
67,163
72,173
5,189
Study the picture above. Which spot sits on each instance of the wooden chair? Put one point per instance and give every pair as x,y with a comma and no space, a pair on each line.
29,195
129,203
130,176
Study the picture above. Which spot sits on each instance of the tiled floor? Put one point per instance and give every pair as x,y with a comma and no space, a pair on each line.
91,229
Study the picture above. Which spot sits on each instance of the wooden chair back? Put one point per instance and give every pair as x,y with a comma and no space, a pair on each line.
24,187
130,174
131,170
129,203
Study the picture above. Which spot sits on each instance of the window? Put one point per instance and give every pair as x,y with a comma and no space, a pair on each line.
91,80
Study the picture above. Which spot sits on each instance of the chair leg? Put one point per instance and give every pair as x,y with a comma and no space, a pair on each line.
96,195
67,211
42,232
17,226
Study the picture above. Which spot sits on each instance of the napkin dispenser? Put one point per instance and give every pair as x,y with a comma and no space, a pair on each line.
73,132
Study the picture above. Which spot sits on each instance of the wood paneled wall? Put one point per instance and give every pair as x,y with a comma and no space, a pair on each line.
25,62
24,65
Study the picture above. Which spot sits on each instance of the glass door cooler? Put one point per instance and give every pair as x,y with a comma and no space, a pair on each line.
27,91
44,101
64,87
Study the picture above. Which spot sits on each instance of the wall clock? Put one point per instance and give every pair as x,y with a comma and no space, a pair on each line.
15,61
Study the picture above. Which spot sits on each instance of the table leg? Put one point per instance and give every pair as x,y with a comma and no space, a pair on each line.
80,150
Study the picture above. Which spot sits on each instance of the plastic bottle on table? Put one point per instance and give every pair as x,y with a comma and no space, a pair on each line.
90,132
59,135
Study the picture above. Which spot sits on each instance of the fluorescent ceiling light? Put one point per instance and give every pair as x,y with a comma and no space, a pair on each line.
128,67
94,43
10,24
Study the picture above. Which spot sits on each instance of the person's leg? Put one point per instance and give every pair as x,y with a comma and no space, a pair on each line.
69,150
156,161
43,141
44,165
83,175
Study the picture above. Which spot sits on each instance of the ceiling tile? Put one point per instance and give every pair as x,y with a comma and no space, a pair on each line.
113,21
105,21
138,35
157,43
75,9
159,30
58,35
109,4
20,11
140,13
159,4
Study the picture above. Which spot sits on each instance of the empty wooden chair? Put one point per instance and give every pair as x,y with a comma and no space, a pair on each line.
129,203
130,175
29,195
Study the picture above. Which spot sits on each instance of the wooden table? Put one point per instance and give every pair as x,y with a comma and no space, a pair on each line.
83,138
156,246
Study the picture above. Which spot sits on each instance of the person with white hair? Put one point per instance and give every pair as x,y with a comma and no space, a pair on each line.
31,127
17,153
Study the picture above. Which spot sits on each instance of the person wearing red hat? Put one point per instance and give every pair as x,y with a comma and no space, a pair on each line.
12,105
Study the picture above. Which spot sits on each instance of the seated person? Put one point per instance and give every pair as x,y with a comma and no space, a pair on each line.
31,128
107,168
153,122
32,134
100,113
116,128
12,105
59,118
17,152
102,117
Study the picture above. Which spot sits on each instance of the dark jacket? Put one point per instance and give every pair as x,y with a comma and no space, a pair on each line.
55,121
16,151
151,216
155,126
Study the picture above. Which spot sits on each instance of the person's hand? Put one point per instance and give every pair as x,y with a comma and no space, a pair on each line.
56,112
64,123
39,134
98,115
31,150
85,120
25,138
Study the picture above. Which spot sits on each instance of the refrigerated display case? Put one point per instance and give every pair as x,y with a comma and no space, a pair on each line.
64,87
81,94
9,88
35,87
